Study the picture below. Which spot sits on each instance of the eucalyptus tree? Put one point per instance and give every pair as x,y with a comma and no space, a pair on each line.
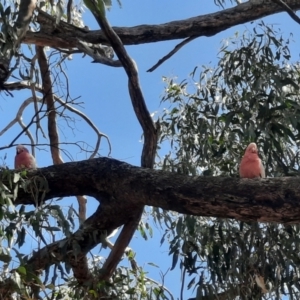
230,237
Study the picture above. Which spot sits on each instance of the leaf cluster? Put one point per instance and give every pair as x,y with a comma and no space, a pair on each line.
252,95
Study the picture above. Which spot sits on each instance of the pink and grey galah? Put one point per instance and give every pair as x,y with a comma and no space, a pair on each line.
24,159
251,165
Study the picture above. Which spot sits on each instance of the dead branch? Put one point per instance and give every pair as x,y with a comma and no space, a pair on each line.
18,119
48,98
177,48
36,109
27,85
136,95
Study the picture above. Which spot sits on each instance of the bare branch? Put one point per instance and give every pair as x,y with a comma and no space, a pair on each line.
67,35
93,126
79,266
52,126
150,138
36,109
18,118
288,10
120,247
49,100
98,58
136,95
177,48
26,85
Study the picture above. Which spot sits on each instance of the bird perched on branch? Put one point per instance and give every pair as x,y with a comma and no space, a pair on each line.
251,165
24,159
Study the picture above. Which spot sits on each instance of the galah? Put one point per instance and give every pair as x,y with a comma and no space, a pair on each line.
24,159
251,165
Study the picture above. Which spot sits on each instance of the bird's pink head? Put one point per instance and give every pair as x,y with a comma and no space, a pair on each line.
252,148
21,148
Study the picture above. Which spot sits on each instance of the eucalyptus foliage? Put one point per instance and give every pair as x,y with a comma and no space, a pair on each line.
252,95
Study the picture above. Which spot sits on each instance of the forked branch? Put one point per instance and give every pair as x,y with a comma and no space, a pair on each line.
149,130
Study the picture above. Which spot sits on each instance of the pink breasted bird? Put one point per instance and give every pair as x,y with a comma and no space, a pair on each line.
24,159
251,165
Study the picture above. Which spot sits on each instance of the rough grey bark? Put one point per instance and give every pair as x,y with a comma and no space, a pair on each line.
122,189
64,35
150,133
13,36
24,17
117,184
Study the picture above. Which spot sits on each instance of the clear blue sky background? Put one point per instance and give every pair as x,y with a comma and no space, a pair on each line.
105,98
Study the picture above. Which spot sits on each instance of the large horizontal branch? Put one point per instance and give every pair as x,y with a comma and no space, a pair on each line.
64,35
264,200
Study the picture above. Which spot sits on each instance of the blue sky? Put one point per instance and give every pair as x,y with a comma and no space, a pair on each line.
104,96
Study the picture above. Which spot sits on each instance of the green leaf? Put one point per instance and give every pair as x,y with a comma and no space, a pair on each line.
22,270
175,259
96,7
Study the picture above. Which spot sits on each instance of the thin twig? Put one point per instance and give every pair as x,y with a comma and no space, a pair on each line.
18,115
92,125
32,87
26,85
177,48
161,286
